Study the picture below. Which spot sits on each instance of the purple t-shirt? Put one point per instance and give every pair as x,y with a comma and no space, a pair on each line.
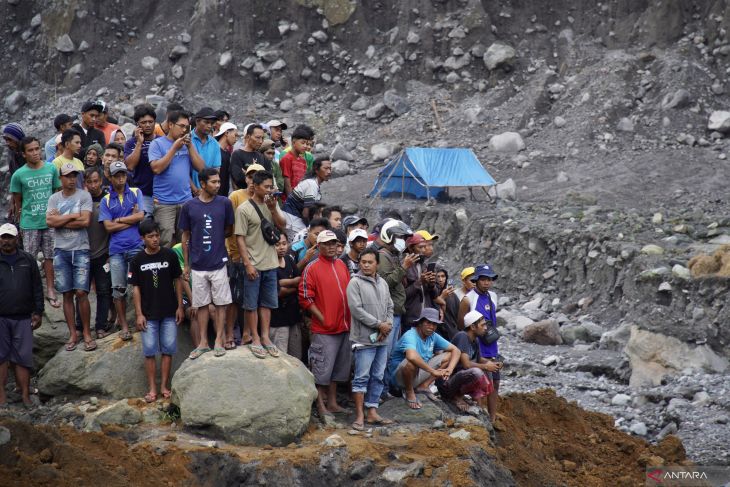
142,176
207,224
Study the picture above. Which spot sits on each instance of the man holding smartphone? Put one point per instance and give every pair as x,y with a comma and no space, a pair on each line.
420,282
136,153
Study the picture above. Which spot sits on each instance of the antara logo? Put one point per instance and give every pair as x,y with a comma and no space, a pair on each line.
659,476
655,475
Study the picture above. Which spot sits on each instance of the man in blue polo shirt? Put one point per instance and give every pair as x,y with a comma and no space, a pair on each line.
205,144
172,158
121,211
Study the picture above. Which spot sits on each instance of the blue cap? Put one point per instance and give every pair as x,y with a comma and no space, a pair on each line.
484,270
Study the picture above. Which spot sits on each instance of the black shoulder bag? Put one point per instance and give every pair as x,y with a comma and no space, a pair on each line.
269,231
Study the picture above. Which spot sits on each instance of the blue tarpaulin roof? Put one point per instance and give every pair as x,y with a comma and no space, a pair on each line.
423,172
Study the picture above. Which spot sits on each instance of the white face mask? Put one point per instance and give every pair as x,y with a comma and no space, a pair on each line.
399,244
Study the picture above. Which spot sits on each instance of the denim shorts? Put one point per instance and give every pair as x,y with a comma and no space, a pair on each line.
160,336
262,292
119,264
71,269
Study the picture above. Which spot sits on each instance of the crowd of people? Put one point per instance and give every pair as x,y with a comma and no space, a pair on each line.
223,227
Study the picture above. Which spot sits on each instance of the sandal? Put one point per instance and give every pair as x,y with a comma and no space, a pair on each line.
219,351
381,422
125,335
414,404
430,395
89,346
102,333
150,397
53,302
230,345
258,351
166,394
358,426
71,346
273,351
198,352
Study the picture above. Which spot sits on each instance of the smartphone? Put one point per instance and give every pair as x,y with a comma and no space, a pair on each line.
451,283
276,194
374,337
431,267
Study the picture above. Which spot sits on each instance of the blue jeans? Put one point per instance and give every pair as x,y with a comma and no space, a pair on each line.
370,365
393,338
160,336
71,270
262,292
119,264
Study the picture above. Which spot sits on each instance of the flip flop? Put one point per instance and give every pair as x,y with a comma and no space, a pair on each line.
358,426
149,397
125,335
53,302
412,404
89,346
71,346
198,352
258,351
102,334
430,395
166,394
219,351
381,421
273,351
230,345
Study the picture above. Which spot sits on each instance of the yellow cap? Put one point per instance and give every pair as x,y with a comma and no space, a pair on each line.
466,272
427,236
255,168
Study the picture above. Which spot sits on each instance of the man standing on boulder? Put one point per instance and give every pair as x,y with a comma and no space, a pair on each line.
21,311
205,222
156,276
483,300
323,292
69,213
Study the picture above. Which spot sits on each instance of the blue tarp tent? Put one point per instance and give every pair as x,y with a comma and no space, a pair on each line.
428,172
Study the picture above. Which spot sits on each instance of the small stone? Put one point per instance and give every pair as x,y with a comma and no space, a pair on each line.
398,474
679,99
286,105
413,38
150,63
625,125
438,424
652,249
64,44
396,103
185,38
360,104
360,470
507,142
499,55
36,20
302,99
620,400
340,153
559,122
15,101
94,400
550,360
278,65
669,429
5,435
376,111
84,46
569,466
638,429
719,121
319,35
665,287
45,456
225,59
657,219
373,73
452,78
681,272
461,434
177,71
177,52
76,70
334,441
701,398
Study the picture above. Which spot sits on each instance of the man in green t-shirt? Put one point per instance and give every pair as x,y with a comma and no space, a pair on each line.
32,185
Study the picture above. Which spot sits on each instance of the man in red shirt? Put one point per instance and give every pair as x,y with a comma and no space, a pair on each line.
323,292
293,165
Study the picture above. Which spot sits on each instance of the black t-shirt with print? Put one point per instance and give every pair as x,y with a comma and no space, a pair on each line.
155,275
287,314
240,160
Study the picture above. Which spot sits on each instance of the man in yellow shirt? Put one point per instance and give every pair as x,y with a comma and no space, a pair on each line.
71,142
235,268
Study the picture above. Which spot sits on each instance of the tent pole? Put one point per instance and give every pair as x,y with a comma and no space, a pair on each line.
380,191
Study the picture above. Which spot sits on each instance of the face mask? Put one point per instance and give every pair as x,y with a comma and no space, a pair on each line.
399,244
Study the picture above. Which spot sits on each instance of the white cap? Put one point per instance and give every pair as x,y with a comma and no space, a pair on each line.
225,127
471,318
326,236
357,233
8,229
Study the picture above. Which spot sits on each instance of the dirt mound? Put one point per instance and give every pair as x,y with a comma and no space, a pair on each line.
545,440
59,457
717,264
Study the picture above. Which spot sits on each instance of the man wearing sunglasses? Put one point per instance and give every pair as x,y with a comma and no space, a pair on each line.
171,159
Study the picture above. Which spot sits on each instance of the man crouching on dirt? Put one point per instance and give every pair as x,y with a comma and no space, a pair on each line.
413,362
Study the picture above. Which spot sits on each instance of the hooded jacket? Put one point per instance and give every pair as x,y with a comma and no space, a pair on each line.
391,270
324,283
370,304
20,287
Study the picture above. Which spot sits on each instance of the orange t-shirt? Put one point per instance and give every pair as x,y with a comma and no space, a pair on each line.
237,198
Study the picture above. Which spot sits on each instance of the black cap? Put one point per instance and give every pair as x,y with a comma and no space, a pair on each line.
92,105
61,119
206,113
219,114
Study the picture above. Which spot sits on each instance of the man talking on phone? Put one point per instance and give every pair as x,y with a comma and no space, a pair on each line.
420,281
136,153
171,159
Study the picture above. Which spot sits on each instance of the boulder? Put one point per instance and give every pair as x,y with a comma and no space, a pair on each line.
499,55
615,339
585,332
150,63
653,355
376,111
177,52
513,321
15,101
625,125
679,99
340,168
360,104
719,121
114,369
396,103
545,332
244,399
119,412
65,44
507,142
397,410
225,59
383,150
506,190
339,153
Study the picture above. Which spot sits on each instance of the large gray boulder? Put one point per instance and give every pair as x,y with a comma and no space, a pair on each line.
498,55
114,369
720,121
243,399
507,142
546,332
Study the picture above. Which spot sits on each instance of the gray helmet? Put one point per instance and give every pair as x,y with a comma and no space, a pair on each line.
393,229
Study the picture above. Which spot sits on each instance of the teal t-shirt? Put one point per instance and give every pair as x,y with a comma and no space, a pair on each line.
35,187
411,340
